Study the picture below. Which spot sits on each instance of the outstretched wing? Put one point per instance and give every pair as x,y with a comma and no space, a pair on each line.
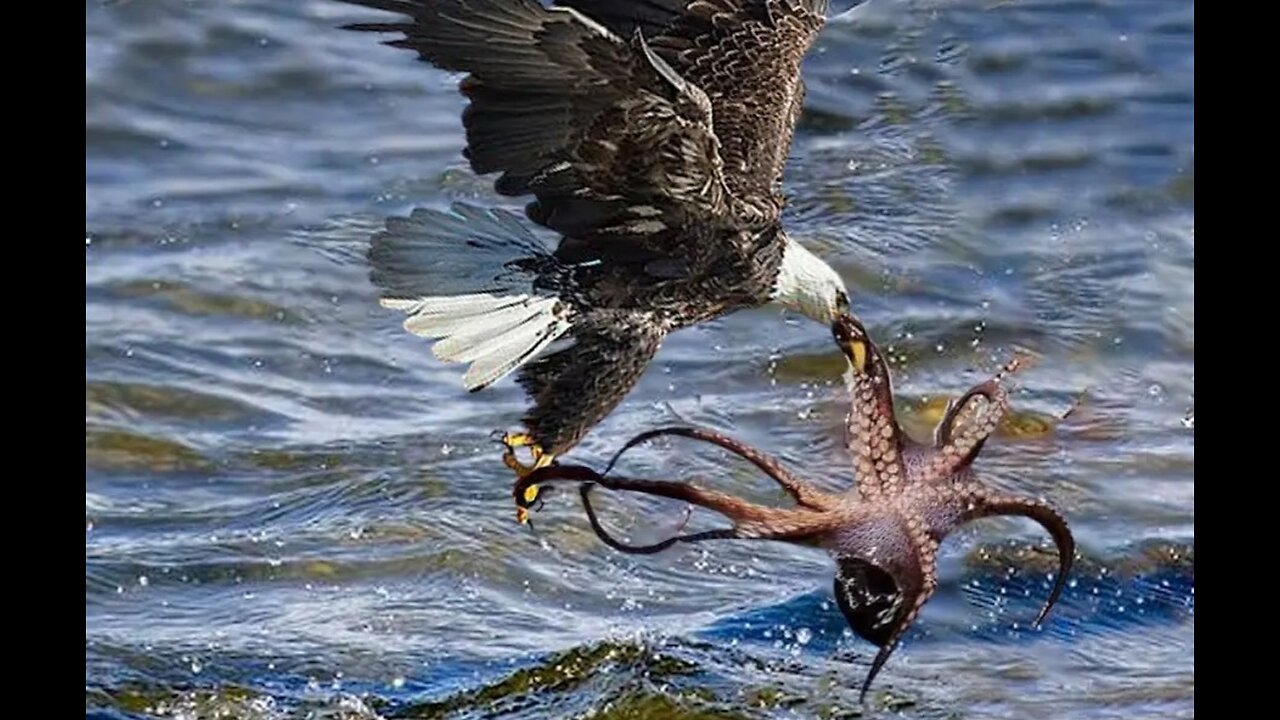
624,118
746,56
599,128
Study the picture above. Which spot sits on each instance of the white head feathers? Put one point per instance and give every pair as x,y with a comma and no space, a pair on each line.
809,285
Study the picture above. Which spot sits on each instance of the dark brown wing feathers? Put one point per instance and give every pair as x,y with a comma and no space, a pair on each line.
578,114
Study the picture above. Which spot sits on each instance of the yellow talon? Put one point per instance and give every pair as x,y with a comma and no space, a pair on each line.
515,440
540,459
530,494
509,459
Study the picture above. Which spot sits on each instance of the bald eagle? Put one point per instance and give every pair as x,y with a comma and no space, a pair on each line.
652,135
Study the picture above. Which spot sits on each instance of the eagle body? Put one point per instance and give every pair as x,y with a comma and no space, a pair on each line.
652,136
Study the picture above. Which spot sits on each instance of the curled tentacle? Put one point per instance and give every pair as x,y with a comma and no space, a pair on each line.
990,503
871,430
589,478
800,490
607,539
734,508
887,649
968,422
750,521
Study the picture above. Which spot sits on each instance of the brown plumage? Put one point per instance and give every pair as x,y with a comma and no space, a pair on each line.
652,135
884,533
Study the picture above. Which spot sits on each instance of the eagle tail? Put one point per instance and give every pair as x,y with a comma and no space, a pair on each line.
477,281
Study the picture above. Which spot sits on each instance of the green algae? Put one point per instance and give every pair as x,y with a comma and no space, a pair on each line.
658,706
771,697
191,301
563,673
226,702
114,449
106,399
1144,558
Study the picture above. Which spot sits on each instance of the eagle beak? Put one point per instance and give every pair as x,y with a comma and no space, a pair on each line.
852,340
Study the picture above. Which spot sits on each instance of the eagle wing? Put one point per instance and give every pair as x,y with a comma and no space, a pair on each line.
746,56
626,120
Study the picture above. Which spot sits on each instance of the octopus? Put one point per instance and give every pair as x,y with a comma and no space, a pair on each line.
884,532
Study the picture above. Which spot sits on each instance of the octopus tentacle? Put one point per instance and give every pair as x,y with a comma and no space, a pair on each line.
607,539
750,521
871,431
800,490
916,584
967,424
984,502
887,649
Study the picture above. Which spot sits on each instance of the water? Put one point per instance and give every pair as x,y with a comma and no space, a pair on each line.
292,509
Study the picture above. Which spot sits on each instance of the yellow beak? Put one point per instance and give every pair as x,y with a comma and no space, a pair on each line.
857,352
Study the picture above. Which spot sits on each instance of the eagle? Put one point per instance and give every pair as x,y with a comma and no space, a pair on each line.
652,136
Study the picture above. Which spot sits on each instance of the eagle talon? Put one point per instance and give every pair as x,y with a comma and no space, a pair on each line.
515,440
530,494
514,465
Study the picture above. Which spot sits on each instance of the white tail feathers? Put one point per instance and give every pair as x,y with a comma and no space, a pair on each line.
495,333
466,276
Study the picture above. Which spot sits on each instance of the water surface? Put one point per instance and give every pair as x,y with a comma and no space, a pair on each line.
291,508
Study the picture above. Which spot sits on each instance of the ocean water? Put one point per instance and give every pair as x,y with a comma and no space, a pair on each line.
293,510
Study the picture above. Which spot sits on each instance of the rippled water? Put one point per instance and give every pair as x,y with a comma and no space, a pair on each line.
292,508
